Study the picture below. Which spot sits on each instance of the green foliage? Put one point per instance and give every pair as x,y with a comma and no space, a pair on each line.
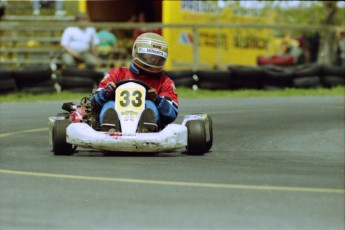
302,13
307,12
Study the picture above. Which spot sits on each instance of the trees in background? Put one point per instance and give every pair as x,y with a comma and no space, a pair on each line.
315,13
326,14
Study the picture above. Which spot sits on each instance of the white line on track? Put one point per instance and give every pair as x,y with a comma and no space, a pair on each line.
173,183
23,131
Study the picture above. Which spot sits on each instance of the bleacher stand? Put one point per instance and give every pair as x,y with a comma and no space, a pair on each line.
28,40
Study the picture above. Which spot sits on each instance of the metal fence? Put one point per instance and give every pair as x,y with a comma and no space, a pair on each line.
195,56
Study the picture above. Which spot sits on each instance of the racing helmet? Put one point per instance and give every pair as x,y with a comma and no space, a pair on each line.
150,52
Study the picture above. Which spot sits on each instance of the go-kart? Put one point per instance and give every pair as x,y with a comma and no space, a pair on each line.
80,126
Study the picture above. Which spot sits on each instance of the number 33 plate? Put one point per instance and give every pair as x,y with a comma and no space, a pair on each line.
130,99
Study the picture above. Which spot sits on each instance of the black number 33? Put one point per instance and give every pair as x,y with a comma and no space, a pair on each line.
126,101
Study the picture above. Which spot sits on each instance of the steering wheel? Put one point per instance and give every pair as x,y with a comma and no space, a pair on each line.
146,86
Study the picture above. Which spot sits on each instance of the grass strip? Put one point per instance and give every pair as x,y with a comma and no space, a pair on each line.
185,93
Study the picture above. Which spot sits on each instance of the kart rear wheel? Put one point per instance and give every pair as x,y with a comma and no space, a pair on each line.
197,144
60,146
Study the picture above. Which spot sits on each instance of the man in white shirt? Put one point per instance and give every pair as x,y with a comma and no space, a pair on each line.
79,43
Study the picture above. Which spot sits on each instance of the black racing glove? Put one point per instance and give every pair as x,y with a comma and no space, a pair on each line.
151,95
95,106
109,91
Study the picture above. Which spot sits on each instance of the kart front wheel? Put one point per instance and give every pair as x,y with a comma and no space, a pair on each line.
209,143
60,146
197,144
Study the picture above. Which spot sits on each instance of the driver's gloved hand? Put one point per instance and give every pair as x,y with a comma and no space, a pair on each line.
151,95
102,96
109,91
95,106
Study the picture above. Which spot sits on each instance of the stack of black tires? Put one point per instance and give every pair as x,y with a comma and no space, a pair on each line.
41,79
261,77
7,82
34,79
79,80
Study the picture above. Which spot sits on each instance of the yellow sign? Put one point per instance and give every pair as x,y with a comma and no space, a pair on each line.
217,47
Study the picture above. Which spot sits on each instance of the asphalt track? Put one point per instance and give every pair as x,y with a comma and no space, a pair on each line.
276,163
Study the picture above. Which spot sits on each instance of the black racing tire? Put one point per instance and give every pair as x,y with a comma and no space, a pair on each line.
213,85
77,89
209,143
307,82
246,77
60,146
96,76
32,73
5,74
214,79
37,90
328,70
49,83
7,86
85,73
333,81
182,77
307,75
197,144
306,70
277,77
332,76
75,82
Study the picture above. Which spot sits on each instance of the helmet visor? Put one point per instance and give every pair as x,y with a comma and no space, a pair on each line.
152,57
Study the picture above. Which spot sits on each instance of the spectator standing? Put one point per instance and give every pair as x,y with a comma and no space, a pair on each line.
314,42
107,41
79,43
341,47
36,5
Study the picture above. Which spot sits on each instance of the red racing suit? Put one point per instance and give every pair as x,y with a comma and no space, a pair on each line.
167,100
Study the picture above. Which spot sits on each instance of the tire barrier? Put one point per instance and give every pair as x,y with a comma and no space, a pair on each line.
40,79
184,78
79,80
44,86
307,76
332,76
84,73
76,83
7,82
276,77
32,74
34,79
246,77
213,79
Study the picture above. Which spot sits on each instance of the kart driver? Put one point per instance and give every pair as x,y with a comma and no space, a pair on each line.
149,53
